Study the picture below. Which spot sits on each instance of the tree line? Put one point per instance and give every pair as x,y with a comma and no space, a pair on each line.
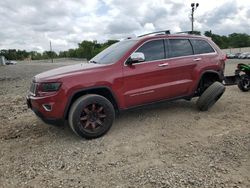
85,49
88,49
234,40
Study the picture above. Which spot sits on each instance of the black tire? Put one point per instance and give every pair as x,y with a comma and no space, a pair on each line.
210,96
89,122
244,83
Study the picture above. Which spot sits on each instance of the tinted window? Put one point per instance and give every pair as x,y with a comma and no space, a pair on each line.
180,47
153,50
201,46
114,52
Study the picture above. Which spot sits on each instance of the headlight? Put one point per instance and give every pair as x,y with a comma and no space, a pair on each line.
50,87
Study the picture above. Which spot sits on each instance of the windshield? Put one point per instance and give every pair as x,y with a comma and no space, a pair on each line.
113,53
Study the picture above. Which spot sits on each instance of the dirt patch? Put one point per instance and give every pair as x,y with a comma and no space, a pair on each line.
167,145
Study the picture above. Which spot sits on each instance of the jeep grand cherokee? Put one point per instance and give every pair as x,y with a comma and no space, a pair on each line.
130,73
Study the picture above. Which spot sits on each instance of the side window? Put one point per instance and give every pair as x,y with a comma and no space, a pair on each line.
153,50
201,46
179,47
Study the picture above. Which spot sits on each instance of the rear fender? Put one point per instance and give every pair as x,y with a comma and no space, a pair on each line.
217,76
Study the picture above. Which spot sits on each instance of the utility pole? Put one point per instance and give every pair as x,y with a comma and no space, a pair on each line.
194,7
51,56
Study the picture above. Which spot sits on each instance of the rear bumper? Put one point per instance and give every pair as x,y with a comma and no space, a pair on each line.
231,80
39,111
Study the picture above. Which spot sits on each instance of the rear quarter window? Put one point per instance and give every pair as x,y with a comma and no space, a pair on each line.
201,46
180,47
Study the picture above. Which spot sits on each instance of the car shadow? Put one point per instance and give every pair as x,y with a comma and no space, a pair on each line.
124,119
166,107
158,111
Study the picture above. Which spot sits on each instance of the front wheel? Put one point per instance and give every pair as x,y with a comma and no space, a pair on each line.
91,116
244,83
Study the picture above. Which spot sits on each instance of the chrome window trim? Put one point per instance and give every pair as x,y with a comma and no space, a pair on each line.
171,58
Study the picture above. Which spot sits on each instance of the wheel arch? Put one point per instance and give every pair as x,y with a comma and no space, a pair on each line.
208,77
102,90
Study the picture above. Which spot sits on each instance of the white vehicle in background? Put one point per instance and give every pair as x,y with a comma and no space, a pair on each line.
248,56
8,62
244,55
230,55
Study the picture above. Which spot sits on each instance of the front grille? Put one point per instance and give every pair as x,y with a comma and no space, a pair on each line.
33,88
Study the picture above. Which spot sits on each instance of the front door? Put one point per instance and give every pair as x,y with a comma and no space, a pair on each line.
146,82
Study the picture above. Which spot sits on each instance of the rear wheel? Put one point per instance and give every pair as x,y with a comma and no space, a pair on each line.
91,116
244,83
210,96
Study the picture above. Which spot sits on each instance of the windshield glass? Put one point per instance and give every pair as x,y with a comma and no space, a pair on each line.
113,53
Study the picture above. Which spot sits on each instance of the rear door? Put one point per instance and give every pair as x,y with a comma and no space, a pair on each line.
181,67
208,56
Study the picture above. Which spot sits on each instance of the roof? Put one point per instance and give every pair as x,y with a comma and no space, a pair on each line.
171,36
166,34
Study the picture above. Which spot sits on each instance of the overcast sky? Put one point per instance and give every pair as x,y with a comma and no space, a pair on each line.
31,24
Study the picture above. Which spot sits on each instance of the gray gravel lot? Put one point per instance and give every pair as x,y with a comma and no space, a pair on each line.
167,145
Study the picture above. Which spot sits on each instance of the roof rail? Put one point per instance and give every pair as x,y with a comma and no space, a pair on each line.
189,32
156,32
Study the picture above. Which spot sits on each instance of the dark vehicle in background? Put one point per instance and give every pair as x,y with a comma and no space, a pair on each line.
131,73
236,55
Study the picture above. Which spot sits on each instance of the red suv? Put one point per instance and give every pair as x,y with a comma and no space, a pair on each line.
128,74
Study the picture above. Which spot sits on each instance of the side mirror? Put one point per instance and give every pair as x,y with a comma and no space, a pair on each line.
135,58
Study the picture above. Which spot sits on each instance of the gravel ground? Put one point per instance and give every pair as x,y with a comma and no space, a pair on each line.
167,145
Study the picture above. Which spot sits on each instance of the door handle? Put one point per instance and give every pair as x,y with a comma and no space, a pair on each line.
163,65
197,59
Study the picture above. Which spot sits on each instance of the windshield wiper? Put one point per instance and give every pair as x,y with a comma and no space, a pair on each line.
92,61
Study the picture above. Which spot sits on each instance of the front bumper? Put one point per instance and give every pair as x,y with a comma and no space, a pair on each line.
37,108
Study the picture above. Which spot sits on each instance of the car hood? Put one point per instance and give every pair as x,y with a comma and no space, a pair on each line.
62,71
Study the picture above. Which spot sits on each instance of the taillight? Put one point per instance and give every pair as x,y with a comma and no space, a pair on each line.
224,58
